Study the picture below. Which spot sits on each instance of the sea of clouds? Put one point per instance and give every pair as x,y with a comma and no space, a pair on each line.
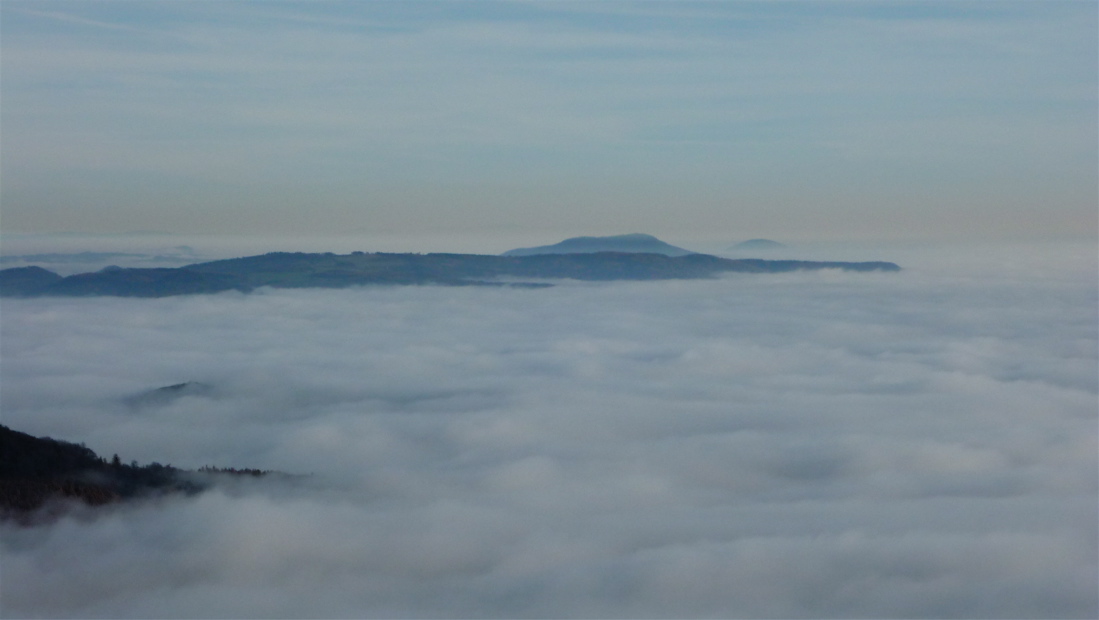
818,444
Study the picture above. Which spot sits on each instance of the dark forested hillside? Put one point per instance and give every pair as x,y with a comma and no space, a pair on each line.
35,471
26,280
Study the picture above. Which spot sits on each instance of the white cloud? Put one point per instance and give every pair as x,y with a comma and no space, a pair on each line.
816,444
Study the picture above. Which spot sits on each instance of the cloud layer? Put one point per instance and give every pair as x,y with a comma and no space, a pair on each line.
920,444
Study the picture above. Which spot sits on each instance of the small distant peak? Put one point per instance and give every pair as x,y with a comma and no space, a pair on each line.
169,393
186,386
631,243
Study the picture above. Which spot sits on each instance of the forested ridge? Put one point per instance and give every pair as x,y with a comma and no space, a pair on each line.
38,471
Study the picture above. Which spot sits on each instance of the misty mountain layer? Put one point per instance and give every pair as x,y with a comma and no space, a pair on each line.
327,270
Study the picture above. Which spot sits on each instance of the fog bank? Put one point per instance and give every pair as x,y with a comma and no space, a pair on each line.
827,444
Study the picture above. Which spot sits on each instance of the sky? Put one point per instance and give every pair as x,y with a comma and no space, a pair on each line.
918,444
526,122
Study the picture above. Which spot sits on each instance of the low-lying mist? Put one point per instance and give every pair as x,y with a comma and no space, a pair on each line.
826,444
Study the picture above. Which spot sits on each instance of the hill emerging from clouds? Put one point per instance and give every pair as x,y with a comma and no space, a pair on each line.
328,270
36,471
635,243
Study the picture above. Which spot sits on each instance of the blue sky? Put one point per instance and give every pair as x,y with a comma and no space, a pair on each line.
707,121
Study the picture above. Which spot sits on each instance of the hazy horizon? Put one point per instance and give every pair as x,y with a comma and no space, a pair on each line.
971,121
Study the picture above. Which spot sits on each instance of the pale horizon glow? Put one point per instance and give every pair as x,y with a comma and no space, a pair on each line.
533,122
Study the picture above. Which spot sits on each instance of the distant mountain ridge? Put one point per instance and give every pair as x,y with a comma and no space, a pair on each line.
328,270
634,242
